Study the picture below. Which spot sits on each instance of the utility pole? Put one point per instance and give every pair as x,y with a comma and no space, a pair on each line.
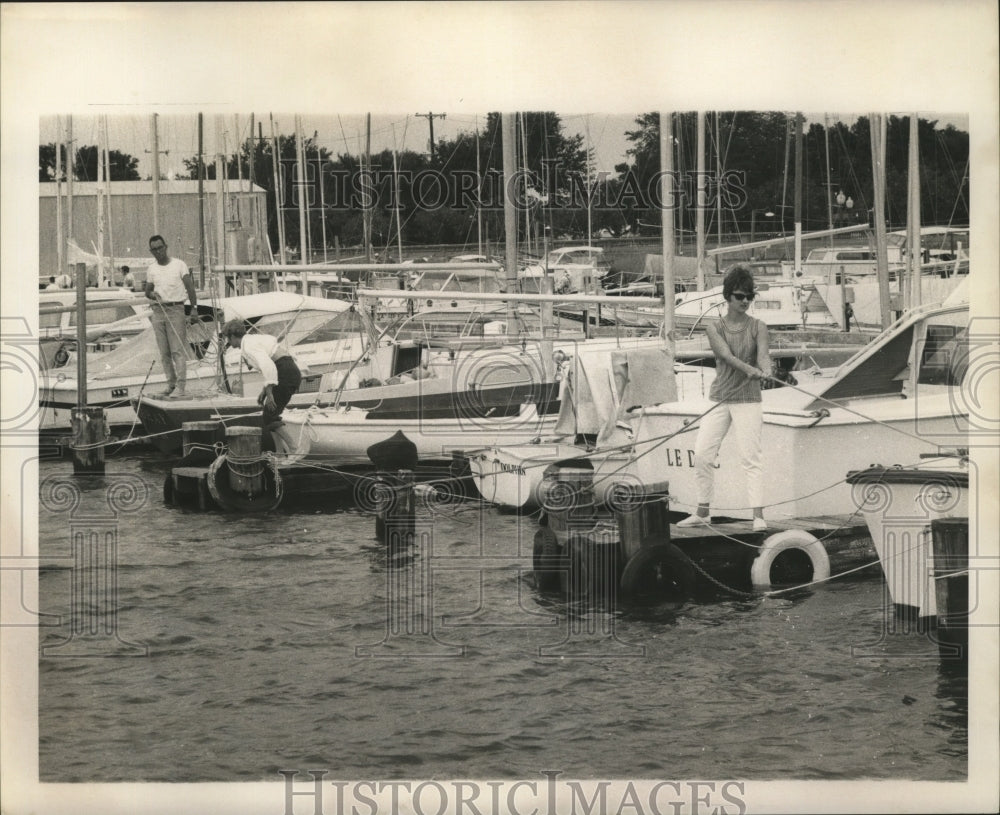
430,117
154,140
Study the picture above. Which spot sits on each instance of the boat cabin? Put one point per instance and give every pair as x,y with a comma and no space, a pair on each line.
926,350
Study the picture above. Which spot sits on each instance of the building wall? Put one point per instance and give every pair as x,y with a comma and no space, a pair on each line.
132,224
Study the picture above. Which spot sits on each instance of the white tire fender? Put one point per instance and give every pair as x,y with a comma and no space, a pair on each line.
760,571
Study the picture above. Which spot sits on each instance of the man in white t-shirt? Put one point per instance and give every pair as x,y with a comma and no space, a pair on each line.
282,376
168,283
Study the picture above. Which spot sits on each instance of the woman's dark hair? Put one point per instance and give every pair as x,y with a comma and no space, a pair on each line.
738,278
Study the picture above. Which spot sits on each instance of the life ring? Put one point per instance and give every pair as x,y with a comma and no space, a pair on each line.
548,561
658,573
790,539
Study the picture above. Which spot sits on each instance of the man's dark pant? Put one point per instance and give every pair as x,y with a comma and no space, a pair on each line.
289,379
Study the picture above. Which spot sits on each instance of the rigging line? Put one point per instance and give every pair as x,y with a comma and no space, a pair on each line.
855,412
343,135
960,198
775,592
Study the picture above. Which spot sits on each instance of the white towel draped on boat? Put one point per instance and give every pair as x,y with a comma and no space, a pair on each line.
599,386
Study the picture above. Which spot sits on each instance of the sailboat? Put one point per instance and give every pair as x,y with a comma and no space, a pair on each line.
323,335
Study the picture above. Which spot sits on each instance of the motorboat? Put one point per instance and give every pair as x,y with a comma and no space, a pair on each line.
779,304
573,269
902,395
899,504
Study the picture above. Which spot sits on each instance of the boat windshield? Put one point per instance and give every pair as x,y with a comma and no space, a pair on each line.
342,326
295,326
944,357
584,257
938,345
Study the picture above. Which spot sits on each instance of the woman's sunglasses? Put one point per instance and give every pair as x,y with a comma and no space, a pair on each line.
743,298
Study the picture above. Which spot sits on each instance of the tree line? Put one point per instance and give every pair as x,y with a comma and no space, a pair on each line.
455,194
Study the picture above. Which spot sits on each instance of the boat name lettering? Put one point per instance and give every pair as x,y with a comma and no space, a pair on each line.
676,457
509,468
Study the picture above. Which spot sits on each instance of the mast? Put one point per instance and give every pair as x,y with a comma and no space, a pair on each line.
829,182
250,163
220,194
60,236
798,192
700,213
70,172
784,177
509,136
915,254
300,161
369,205
236,152
479,194
590,192
397,202
278,196
156,174
100,202
107,200
201,200
667,202
322,193
524,165
718,178
877,134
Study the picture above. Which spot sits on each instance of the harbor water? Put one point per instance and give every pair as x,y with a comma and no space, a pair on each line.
244,645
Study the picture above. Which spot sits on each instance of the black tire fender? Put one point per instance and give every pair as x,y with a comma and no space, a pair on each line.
658,573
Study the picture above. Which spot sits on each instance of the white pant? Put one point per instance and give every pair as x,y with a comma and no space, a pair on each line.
746,419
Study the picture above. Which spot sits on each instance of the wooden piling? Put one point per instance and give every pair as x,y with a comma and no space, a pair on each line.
395,517
90,435
197,436
246,466
641,517
950,541
89,429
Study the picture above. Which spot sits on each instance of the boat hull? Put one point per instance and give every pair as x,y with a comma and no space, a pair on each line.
118,396
163,419
805,455
511,476
899,505
346,434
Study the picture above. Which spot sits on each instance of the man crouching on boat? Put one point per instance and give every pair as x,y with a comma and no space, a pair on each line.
282,376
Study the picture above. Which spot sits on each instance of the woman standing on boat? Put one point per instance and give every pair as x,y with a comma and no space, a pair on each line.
742,359
282,376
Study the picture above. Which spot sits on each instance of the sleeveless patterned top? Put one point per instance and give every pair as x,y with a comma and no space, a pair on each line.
731,384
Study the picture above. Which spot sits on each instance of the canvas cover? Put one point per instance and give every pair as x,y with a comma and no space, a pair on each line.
600,385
